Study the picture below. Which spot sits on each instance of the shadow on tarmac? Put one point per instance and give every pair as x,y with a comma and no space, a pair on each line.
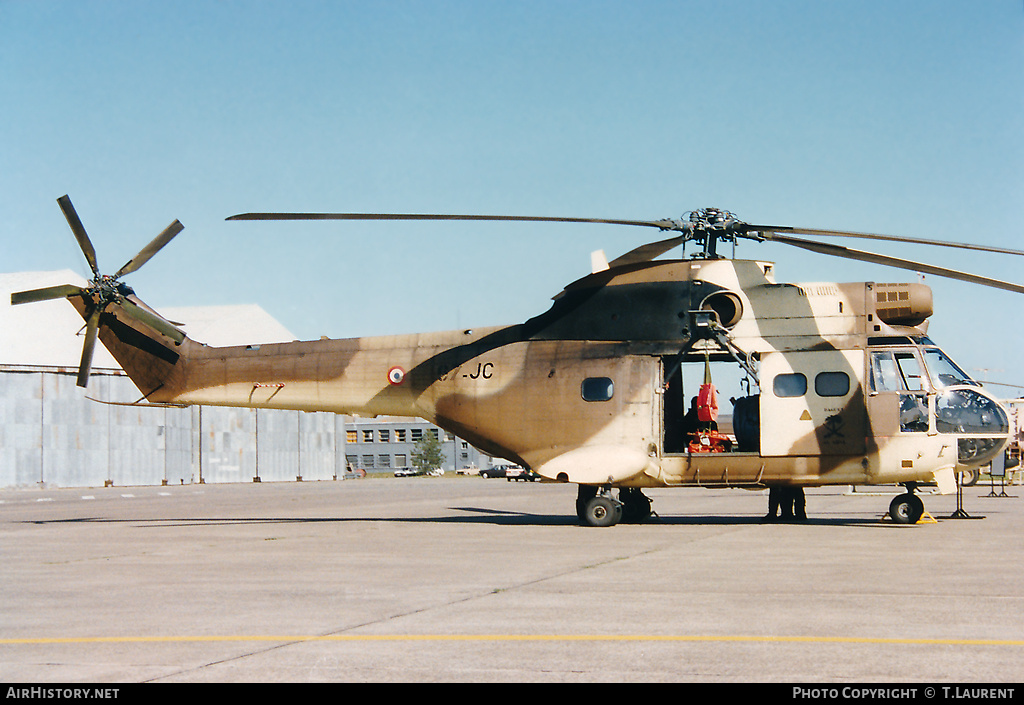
472,516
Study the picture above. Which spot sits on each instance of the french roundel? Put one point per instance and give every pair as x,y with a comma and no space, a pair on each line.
396,375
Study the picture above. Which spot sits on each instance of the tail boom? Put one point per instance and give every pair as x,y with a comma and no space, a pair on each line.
362,376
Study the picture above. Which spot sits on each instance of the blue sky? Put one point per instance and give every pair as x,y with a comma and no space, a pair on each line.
895,116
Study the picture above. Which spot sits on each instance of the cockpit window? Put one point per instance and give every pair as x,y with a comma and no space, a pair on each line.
910,367
943,371
895,371
885,377
901,370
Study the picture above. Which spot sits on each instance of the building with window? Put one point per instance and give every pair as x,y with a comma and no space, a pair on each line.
386,444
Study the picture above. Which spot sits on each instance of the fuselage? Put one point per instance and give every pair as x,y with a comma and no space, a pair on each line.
587,392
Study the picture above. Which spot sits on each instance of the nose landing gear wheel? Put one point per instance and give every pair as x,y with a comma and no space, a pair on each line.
906,508
969,477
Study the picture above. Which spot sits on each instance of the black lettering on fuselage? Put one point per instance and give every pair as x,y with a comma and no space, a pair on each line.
485,370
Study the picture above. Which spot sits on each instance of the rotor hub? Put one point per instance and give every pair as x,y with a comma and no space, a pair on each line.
708,218
108,289
710,225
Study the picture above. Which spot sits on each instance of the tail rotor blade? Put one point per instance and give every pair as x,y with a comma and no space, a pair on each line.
91,331
51,292
79,230
152,320
147,252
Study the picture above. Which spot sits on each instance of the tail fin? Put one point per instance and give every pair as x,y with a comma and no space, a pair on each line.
151,356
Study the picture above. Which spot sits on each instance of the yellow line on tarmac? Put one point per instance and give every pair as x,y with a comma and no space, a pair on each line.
510,638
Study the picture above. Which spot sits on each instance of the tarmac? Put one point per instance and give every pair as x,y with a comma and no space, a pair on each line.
465,579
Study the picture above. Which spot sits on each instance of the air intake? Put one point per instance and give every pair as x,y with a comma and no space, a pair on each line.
903,304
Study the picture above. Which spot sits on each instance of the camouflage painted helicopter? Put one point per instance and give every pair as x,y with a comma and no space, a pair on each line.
843,386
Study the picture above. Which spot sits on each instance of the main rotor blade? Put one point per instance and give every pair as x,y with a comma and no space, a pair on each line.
891,238
661,224
79,231
147,252
51,292
645,253
152,320
91,331
849,253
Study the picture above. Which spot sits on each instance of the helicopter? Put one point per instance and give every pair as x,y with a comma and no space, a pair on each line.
842,384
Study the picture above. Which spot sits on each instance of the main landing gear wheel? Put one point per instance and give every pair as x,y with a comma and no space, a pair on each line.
906,508
595,509
602,511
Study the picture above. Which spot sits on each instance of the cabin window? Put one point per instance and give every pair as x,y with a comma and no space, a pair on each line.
597,389
832,384
791,385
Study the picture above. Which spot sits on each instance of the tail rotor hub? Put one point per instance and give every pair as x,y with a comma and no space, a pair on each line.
104,289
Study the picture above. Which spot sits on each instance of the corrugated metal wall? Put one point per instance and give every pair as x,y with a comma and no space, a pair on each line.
51,434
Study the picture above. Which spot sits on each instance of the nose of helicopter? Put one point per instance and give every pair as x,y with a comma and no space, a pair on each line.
979,421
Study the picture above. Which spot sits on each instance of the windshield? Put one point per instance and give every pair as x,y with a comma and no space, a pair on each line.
943,371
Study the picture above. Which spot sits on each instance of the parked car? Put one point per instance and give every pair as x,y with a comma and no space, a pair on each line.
523,474
496,471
